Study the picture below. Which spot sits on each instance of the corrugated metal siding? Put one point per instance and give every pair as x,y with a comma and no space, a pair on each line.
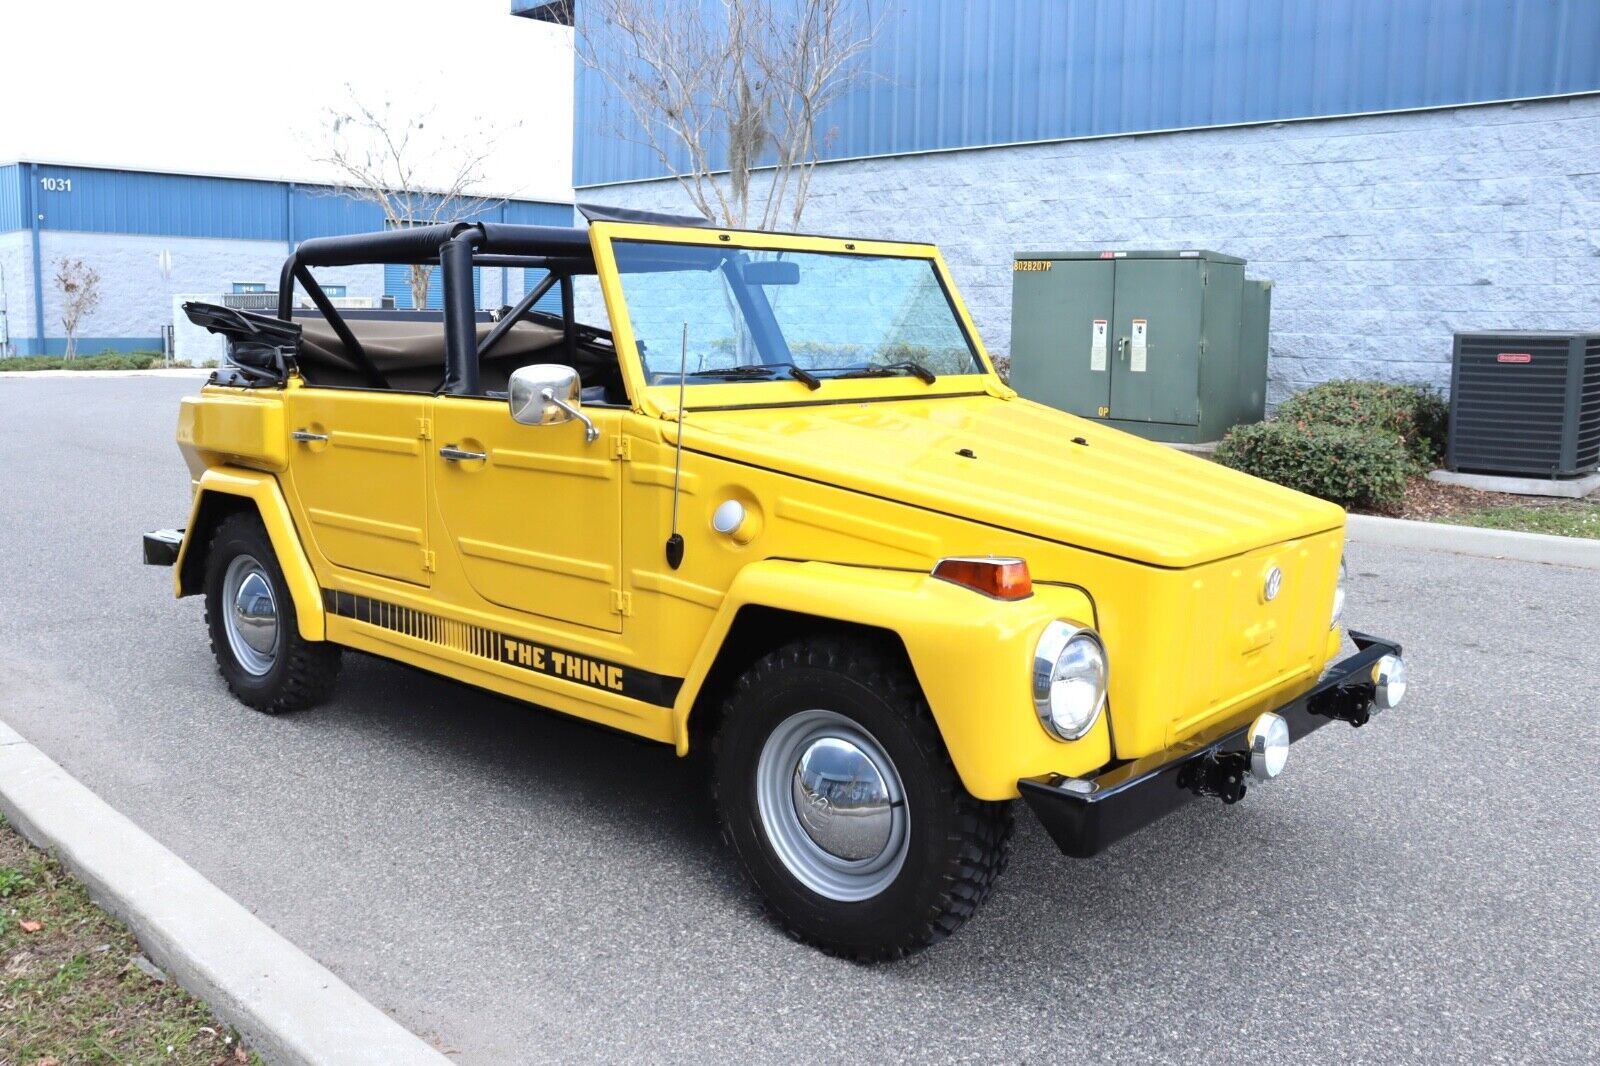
179,205
397,283
961,73
13,199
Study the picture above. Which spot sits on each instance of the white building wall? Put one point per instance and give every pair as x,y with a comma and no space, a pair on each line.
1383,234
16,281
136,300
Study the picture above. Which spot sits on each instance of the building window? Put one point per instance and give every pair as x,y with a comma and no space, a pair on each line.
249,286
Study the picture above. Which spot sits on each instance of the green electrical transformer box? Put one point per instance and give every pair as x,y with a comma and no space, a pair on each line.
1171,346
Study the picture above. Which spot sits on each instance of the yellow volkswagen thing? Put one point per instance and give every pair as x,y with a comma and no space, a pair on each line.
772,502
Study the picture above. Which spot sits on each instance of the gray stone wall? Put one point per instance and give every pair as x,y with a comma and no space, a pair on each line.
1383,234
18,278
136,299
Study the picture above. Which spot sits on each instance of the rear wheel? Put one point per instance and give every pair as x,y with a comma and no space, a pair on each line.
255,634
836,794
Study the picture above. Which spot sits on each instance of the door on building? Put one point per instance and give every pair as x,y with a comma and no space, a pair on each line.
532,513
1068,345
1155,376
357,463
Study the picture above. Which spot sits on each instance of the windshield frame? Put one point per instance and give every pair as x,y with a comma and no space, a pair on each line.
779,391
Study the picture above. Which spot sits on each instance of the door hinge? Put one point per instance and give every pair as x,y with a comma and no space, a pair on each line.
425,428
621,602
430,562
622,447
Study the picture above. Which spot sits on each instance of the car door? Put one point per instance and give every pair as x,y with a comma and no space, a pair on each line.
357,466
532,513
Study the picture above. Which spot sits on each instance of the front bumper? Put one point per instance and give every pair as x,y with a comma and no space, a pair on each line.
1084,815
161,547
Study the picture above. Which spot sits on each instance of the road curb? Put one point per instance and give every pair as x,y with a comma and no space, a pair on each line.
290,1008
1469,540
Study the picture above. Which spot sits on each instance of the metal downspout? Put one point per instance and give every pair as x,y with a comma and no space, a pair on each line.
38,271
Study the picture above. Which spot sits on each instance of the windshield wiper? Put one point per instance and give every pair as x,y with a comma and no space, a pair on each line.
764,370
878,370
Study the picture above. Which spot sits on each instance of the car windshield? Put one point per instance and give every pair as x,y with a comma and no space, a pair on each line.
752,315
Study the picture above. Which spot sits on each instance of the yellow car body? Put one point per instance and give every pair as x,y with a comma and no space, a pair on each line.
648,560
539,573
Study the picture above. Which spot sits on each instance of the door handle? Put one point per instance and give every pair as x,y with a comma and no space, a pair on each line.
460,455
307,437
1122,347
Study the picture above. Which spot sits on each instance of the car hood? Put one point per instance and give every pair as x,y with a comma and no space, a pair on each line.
1021,466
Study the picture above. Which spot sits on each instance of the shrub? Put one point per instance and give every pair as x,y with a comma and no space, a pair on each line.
1350,466
1415,415
104,361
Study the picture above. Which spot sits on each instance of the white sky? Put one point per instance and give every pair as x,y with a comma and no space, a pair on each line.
226,87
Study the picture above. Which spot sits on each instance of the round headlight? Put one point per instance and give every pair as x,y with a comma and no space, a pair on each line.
1069,679
1338,597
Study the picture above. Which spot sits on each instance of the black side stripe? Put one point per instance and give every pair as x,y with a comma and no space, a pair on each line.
660,690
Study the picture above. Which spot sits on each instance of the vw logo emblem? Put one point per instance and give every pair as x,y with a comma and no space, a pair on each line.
1269,591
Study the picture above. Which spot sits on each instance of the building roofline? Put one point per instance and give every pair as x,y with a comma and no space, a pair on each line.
1296,120
321,183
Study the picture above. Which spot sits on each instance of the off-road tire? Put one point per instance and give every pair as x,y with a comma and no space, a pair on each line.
958,845
304,671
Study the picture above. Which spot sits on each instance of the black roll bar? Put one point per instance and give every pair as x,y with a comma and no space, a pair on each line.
509,319
457,247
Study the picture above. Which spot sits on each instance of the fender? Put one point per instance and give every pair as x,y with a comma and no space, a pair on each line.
972,655
263,491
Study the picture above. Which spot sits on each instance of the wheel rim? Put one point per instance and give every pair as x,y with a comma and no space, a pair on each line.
832,806
250,615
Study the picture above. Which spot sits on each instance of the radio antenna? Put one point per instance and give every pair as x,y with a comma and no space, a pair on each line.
675,541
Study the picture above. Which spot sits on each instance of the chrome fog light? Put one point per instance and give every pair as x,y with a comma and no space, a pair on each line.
1389,682
1269,746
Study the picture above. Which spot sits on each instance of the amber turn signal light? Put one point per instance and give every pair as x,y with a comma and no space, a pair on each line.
1001,576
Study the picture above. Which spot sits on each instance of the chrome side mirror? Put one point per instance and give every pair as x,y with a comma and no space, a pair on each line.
548,394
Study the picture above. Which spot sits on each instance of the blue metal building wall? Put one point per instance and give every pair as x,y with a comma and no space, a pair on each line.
99,200
183,205
965,73
13,204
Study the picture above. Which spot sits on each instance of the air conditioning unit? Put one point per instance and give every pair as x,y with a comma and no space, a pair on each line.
1526,404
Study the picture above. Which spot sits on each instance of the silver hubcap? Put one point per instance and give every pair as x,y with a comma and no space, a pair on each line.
832,806
250,615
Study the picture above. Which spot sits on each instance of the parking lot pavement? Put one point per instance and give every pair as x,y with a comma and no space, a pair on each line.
520,887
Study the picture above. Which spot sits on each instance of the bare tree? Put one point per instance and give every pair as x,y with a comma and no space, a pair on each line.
80,295
720,88
413,175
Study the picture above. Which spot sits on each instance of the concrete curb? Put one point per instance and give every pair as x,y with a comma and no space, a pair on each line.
1469,540
288,1007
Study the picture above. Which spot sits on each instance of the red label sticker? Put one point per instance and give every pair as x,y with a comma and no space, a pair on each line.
1514,357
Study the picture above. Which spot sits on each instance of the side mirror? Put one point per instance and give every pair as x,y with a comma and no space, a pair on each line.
548,394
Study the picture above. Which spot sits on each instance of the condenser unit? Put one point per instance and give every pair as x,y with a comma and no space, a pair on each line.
1525,403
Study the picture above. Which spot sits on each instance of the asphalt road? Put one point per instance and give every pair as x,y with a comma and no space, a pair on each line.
519,887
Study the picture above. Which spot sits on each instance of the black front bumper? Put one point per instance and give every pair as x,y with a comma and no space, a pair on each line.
1084,815
161,547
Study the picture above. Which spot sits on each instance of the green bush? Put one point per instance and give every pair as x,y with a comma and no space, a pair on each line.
1352,467
104,361
1417,416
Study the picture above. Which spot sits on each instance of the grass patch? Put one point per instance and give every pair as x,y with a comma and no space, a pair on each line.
1574,518
103,361
70,988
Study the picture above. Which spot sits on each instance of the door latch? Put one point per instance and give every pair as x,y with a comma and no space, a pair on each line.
461,455
307,437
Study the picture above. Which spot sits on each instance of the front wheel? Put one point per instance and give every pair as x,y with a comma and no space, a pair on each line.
255,634
837,795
